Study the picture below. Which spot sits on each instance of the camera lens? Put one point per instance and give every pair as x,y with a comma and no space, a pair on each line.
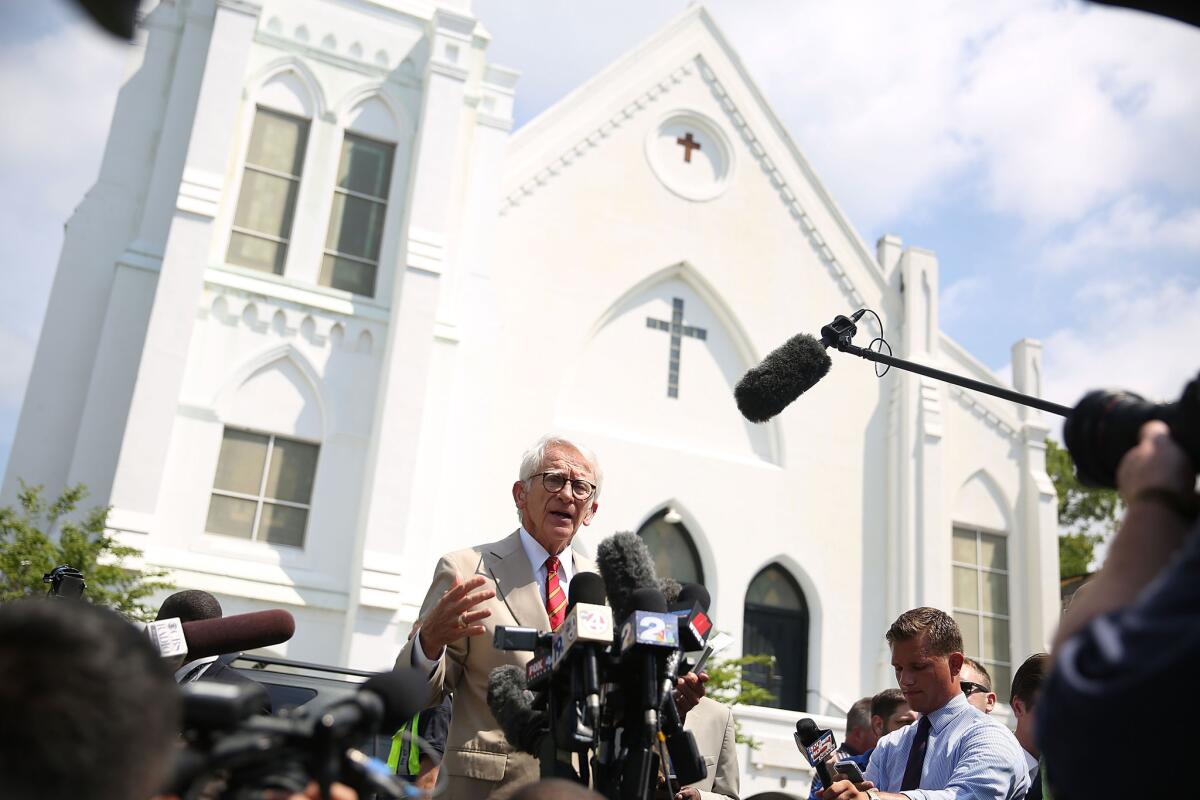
1102,428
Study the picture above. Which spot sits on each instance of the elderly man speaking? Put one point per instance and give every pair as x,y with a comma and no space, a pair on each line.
520,580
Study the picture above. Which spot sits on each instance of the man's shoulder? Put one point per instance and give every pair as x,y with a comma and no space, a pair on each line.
473,553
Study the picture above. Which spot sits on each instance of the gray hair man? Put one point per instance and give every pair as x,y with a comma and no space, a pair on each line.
521,579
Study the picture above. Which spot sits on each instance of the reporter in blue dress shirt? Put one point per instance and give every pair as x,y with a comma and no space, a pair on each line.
955,751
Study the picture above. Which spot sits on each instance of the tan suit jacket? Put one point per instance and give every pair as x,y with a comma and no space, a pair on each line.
478,758
712,725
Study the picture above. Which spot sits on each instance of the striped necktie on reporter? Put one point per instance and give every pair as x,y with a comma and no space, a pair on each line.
556,598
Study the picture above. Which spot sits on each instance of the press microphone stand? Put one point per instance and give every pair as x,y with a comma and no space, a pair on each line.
838,334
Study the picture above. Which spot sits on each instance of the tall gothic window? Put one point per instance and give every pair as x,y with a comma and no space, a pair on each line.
364,174
775,623
981,602
671,546
262,224
263,488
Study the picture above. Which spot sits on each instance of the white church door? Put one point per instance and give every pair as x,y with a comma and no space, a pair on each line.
775,623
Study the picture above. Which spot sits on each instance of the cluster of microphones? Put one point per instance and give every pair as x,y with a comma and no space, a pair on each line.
596,702
245,752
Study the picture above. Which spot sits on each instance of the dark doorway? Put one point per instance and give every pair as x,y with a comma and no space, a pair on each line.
775,623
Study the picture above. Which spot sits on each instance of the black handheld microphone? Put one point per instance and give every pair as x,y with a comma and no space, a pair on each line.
784,375
385,702
512,706
817,745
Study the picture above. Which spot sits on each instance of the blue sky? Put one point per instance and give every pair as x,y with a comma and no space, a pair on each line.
1045,150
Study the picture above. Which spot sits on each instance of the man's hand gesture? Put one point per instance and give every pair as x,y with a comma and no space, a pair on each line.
452,617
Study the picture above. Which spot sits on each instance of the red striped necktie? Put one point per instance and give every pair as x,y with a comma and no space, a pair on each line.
556,598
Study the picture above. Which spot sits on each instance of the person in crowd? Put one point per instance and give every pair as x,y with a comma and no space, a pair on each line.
1026,685
522,579
409,758
976,684
192,605
857,744
90,709
1124,646
890,712
712,725
951,751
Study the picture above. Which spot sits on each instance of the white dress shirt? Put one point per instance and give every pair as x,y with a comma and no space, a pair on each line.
537,556
969,756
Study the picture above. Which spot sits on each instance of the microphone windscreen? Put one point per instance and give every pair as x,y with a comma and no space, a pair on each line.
807,730
403,693
586,587
625,566
648,599
693,593
670,589
784,375
215,637
512,706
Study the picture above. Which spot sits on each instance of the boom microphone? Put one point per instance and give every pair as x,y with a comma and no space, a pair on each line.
625,566
512,706
214,637
785,374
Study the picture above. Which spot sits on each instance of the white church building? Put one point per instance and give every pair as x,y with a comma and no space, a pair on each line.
322,296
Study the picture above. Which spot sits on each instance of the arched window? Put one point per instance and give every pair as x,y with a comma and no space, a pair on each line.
775,623
671,546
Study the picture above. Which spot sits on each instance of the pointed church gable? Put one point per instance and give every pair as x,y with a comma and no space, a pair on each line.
581,125
274,393
660,366
980,503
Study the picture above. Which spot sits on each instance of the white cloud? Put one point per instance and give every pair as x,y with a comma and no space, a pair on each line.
1136,335
1130,229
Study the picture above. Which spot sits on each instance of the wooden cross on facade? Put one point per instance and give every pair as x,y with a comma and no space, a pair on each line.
677,330
688,144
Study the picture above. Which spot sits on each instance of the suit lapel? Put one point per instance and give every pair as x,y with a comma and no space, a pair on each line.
515,584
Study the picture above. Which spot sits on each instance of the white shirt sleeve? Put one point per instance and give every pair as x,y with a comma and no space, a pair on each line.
421,661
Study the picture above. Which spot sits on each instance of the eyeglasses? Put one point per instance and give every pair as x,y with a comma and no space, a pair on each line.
970,687
555,481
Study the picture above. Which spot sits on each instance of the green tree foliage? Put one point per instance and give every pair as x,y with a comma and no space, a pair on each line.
1087,515
727,684
30,547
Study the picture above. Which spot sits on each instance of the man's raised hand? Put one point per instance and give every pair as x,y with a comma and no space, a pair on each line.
455,616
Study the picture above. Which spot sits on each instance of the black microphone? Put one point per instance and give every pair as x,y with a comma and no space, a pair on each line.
512,706
625,566
588,588
784,375
385,702
817,745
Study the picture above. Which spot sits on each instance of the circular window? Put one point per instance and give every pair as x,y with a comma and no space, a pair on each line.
691,155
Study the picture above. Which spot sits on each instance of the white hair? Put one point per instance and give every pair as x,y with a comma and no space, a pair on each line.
532,459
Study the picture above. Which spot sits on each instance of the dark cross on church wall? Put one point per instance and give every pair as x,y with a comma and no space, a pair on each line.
688,144
677,330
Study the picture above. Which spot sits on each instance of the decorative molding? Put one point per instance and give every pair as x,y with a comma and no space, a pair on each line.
593,138
738,120
426,251
200,192
983,413
306,295
448,70
232,306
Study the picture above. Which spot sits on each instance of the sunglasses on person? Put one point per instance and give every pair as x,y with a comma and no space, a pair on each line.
970,687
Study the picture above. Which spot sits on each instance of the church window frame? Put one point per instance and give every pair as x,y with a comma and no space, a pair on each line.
680,540
783,612
344,269
265,487
980,576
247,227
